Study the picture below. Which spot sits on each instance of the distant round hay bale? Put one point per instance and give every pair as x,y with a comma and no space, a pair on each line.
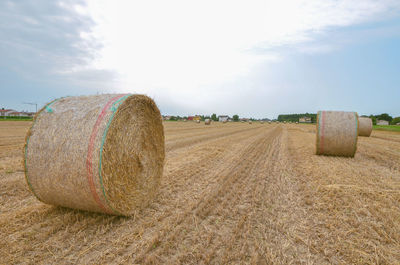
337,133
102,153
365,126
262,122
225,121
269,122
250,122
207,121
197,121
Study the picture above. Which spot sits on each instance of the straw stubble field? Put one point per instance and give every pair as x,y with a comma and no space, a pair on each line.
231,193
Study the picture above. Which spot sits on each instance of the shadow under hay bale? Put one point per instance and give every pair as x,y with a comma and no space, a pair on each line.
102,153
337,133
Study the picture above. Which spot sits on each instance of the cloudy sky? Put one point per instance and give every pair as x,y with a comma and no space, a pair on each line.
253,58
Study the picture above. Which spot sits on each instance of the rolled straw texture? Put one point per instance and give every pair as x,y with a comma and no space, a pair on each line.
102,153
337,133
365,126
207,121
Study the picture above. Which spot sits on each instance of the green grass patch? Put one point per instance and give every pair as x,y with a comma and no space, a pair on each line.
16,118
394,128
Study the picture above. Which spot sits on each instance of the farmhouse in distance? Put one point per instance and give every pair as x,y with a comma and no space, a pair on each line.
382,122
305,120
13,113
223,118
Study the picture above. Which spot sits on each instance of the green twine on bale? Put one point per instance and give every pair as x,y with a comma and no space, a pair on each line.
114,109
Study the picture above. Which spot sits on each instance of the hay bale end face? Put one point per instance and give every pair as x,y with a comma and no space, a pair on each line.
102,153
365,126
337,133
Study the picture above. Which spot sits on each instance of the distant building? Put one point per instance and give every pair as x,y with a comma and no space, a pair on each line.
223,118
382,122
27,114
305,120
197,118
194,118
5,112
15,114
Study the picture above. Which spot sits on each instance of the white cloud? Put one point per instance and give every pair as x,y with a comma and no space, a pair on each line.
182,45
188,55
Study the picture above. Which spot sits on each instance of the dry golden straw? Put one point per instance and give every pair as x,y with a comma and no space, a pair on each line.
365,126
207,121
337,133
101,153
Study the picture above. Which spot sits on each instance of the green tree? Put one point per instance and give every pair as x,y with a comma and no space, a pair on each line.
395,120
235,117
385,116
214,117
373,119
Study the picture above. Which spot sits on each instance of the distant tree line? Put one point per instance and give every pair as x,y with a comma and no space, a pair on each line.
213,117
178,118
296,117
385,117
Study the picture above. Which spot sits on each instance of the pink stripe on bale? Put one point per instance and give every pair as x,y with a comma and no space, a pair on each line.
89,163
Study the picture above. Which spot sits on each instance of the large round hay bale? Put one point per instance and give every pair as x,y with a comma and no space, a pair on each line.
207,121
102,153
365,126
337,133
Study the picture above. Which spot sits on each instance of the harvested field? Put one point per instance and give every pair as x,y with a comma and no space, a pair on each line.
231,194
